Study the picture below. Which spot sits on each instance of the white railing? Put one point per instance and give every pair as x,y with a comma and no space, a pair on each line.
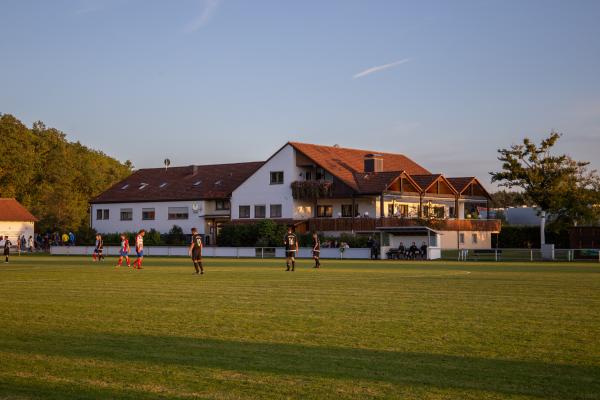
520,255
209,251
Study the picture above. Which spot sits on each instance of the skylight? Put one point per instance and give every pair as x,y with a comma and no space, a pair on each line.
162,185
197,183
217,183
143,185
125,186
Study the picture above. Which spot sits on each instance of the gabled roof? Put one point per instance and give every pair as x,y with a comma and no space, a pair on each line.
424,181
375,182
345,163
194,182
462,183
12,210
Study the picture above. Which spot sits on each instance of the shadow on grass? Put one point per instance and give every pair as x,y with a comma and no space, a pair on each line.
398,368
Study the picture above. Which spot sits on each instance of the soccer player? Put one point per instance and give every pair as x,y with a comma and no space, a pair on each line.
124,251
316,250
139,249
291,248
195,251
97,255
7,245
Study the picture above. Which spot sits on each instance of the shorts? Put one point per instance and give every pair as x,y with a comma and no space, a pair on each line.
140,253
197,255
123,253
290,253
6,251
316,253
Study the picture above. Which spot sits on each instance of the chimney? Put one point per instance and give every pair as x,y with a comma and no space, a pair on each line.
373,163
194,170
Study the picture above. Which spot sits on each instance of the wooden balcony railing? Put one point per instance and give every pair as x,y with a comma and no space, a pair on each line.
371,224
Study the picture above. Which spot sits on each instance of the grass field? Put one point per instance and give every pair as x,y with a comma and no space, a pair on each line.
70,329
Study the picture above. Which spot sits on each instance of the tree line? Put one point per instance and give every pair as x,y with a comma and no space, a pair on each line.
52,177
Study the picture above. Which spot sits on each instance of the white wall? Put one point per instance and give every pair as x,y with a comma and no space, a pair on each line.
13,229
161,222
257,190
449,240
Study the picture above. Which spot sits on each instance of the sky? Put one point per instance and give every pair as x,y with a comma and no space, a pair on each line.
446,83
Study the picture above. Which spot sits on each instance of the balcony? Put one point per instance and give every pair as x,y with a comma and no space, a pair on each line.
371,224
311,190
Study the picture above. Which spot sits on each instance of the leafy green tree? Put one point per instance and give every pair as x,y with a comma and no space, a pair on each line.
51,176
556,184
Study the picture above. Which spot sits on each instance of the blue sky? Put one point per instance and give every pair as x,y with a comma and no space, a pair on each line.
208,81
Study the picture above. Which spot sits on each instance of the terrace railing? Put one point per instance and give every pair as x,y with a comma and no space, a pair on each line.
371,224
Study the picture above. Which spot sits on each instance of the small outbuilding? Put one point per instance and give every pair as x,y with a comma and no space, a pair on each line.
15,220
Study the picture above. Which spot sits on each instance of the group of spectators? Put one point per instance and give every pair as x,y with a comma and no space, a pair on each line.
334,244
411,252
25,244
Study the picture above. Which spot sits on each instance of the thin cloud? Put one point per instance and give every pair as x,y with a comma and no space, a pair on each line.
209,7
379,68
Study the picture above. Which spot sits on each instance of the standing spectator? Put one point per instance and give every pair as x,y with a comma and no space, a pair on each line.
30,244
23,243
371,246
71,238
65,239
424,251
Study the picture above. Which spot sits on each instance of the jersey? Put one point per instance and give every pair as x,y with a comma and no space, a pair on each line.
139,243
7,244
290,242
317,245
197,241
125,245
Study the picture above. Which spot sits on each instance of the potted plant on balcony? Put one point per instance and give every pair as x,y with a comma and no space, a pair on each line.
310,190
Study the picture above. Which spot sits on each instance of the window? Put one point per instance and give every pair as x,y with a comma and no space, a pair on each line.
324,211
244,211
308,175
126,214
197,183
323,175
451,212
125,186
347,210
474,238
148,214
276,177
222,205
461,238
260,211
102,214
178,213
162,185
143,185
275,211
439,212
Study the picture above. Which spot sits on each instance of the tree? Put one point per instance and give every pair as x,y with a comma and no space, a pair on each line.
51,176
556,184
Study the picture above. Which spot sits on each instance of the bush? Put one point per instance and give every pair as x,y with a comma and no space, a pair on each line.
524,237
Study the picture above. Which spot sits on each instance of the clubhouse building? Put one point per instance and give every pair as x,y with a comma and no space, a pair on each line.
329,189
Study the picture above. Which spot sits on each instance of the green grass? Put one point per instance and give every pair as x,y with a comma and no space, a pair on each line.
70,329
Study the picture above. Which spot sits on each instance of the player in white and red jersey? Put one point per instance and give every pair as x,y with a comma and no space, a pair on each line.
124,251
139,249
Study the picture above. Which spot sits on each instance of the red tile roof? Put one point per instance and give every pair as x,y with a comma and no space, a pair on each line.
198,182
12,210
375,183
345,163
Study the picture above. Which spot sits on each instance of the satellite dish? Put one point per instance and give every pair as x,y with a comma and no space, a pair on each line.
167,162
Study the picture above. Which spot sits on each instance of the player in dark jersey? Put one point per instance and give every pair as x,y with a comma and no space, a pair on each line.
195,251
7,245
291,248
98,250
316,250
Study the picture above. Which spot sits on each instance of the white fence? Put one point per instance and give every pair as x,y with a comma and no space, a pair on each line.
520,255
231,252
